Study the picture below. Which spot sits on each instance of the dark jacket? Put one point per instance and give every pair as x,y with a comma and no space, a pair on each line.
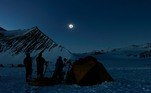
59,64
28,63
40,62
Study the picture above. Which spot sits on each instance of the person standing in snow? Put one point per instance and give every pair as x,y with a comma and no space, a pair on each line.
65,61
66,69
40,65
28,66
58,73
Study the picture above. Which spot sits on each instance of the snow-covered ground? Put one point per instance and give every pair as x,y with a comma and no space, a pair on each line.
131,75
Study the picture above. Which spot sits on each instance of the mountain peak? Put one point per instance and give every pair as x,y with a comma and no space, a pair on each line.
2,29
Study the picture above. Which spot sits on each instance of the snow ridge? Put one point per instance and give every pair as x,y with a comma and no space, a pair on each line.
25,41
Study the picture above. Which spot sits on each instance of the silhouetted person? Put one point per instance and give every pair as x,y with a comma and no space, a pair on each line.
40,65
28,66
68,68
69,64
58,74
65,61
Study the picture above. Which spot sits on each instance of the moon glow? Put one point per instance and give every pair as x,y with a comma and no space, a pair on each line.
70,26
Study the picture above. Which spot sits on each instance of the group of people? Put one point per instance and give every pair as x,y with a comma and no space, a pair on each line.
58,74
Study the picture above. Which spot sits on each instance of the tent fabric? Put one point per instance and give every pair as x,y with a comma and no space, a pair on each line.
88,71
82,69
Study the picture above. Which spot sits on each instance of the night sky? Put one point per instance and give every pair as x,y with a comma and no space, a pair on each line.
98,24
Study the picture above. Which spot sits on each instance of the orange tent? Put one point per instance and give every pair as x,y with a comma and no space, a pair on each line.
88,71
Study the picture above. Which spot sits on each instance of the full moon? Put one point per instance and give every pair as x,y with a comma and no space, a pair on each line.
71,26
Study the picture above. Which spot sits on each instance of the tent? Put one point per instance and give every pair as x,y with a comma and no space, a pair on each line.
88,71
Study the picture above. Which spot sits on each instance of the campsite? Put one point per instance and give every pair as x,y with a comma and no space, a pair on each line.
128,78
75,46
112,71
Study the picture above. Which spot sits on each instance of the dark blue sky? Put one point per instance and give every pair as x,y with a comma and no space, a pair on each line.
99,24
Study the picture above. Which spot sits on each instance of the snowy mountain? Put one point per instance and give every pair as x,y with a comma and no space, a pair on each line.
15,43
133,51
27,40
2,29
